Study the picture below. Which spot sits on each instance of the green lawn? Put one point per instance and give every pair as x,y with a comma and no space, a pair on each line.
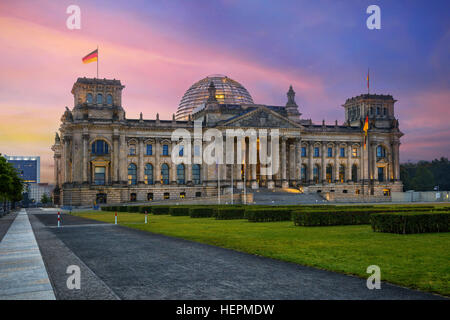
419,261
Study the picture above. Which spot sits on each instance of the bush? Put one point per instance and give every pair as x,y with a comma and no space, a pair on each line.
106,208
122,208
268,214
224,213
201,212
179,211
336,218
406,223
143,209
159,210
133,208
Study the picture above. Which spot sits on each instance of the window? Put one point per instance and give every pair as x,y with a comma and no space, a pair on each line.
99,98
89,98
303,151
99,176
149,150
354,152
342,173
342,152
386,192
196,176
381,152
132,174
148,174
164,174
109,99
380,174
316,152
100,198
354,173
385,111
150,196
357,191
371,111
182,195
165,150
166,195
329,172
303,173
180,174
99,147
378,111
132,150
133,197
330,152
181,151
316,175
198,194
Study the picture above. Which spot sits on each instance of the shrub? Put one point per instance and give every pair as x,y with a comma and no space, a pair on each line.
335,218
224,213
268,214
106,208
159,210
406,223
133,208
201,212
142,209
122,208
179,211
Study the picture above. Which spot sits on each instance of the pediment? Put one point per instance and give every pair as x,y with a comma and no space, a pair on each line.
261,117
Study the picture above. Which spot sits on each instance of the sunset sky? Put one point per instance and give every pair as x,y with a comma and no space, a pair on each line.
159,48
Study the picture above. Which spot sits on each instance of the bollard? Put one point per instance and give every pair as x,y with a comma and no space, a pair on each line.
59,219
115,218
145,217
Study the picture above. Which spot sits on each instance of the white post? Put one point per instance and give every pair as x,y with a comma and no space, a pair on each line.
232,186
145,217
115,218
245,184
59,219
218,182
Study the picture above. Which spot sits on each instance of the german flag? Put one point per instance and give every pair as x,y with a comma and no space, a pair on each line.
365,129
91,57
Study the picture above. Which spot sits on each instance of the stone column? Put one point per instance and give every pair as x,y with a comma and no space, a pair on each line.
284,183
115,156
396,161
324,168
336,163
173,168
157,168
141,161
85,163
298,162
66,155
189,163
310,163
374,161
348,166
365,160
123,160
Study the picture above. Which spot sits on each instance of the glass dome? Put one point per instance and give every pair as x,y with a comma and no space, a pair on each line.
228,91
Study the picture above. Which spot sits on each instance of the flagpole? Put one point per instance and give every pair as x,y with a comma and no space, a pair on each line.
368,81
97,61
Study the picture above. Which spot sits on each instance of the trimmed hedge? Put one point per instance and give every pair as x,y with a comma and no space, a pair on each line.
201,212
229,213
179,211
268,214
133,208
159,210
407,223
337,218
143,209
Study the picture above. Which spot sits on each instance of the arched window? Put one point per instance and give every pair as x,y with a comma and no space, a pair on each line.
329,173
99,147
132,174
303,173
89,98
342,173
99,98
180,174
196,174
164,174
148,174
109,99
354,173
316,173
381,152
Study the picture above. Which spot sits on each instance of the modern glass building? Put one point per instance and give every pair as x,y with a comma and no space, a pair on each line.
29,167
228,91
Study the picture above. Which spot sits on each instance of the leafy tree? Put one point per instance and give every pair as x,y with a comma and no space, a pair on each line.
45,199
11,185
425,175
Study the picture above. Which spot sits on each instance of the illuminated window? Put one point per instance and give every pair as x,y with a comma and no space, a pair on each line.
341,173
316,173
148,174
132,174
354,152
329,173
164,174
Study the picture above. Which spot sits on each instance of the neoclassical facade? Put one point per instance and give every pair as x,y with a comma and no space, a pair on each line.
103,157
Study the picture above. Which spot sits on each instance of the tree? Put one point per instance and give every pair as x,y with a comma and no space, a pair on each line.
45,199
424,175
11,185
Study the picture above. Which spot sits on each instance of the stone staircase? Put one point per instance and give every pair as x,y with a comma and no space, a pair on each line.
285,197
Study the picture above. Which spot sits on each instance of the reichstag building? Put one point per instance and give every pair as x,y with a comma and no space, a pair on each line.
101,156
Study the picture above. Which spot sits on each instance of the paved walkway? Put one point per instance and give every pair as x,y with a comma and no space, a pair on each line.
22,271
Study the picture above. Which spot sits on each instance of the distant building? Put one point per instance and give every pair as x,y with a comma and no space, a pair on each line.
28,167
36,190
